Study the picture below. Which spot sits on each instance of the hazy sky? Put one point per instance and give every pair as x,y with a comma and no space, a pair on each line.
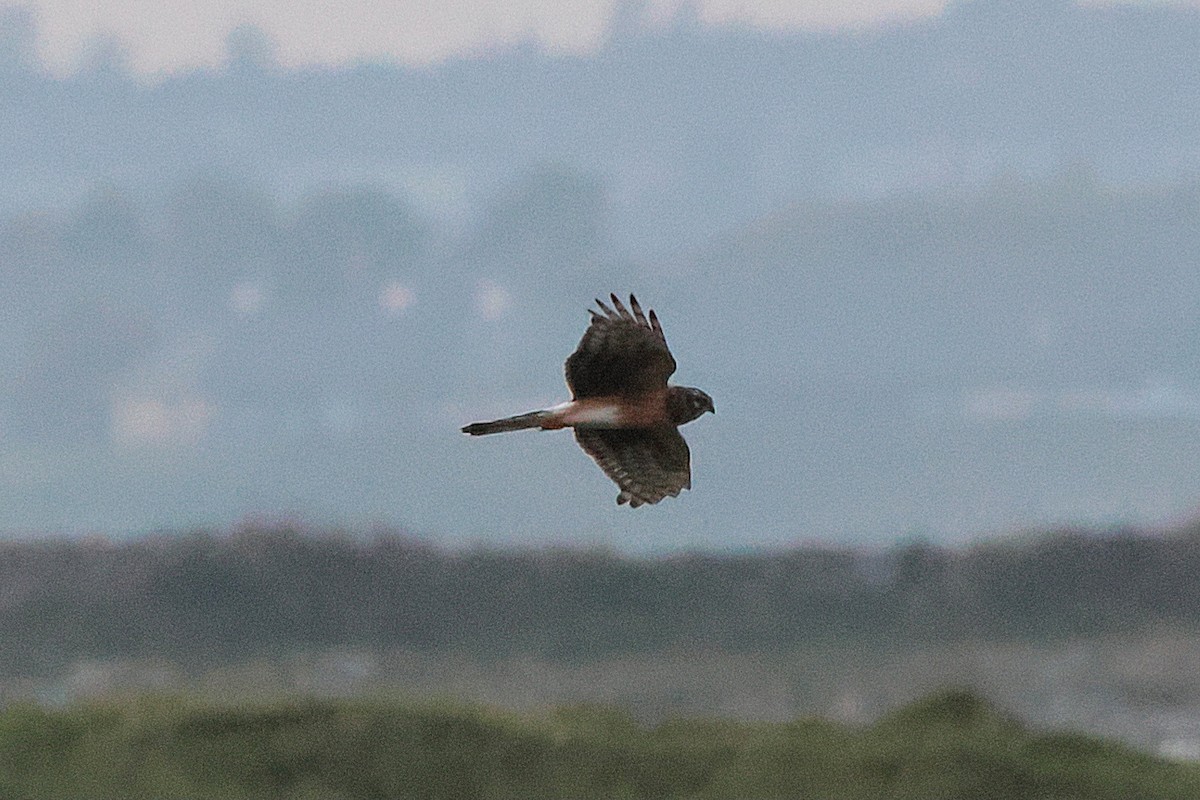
164,36
168,35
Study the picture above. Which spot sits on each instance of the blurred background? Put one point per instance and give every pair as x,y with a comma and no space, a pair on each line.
935,261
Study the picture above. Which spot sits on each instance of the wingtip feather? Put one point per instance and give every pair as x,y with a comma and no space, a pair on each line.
637,312
620,307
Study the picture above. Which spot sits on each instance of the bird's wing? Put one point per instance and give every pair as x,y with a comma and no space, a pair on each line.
622,352
647,464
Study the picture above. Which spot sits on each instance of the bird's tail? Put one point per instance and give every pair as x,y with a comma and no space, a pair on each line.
533,419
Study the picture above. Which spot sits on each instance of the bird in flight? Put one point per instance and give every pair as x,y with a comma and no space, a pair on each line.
624,414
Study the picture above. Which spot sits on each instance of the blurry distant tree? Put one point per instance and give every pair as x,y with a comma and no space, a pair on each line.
69,367
343,241
106,58
551,218
250,50
18,39
219,230
105,227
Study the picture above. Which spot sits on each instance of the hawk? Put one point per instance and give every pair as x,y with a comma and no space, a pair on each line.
625,415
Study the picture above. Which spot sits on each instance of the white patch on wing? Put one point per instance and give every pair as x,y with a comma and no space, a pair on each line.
576,413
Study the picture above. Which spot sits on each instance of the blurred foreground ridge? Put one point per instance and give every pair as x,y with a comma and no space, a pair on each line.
948,745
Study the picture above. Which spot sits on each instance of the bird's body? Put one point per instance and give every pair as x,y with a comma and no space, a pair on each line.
624,413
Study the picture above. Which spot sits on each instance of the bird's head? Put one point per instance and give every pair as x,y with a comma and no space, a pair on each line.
687,403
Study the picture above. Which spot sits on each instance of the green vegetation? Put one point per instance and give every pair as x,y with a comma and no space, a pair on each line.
949,745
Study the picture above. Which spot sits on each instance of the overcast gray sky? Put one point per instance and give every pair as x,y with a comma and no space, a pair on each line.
169,35
164,36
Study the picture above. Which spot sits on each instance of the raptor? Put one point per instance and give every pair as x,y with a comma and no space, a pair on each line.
624,413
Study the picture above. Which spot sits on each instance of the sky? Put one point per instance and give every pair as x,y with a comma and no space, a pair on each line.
162,37
165,36
256,321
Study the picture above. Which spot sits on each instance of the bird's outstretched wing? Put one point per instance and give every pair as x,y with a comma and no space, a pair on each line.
647,464
622,352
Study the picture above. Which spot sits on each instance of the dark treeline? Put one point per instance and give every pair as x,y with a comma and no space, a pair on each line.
261,592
